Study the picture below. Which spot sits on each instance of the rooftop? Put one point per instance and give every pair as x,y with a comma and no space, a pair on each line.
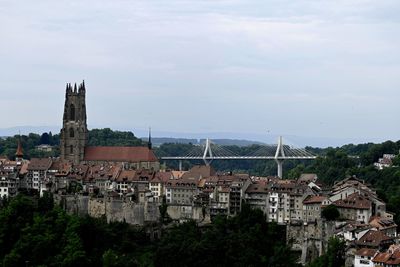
366,252
119,154
39,164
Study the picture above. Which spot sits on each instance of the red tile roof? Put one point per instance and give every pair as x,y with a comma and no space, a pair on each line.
314,200
183,182
199,171
224,189
259,187
126,175
307,178
368,252
119,154
40,164
353,201
382,223
144,175
374,238
389,258
162,177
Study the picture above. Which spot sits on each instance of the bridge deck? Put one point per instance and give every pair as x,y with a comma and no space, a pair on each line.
236,158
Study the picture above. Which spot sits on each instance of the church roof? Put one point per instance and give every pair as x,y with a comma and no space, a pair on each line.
119,154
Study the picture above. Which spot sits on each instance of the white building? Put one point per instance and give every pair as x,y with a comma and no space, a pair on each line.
363,257
37,173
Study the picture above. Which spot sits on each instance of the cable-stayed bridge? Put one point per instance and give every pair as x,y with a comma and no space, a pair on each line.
279,152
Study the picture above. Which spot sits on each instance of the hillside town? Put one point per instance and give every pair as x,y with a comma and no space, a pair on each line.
201,193
129,184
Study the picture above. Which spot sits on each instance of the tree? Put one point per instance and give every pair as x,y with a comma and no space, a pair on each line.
46,202
330,213
13,218
396,161
164,217
244,240
45,139
334,256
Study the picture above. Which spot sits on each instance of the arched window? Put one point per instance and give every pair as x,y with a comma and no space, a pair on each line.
71,149
71,132
72,112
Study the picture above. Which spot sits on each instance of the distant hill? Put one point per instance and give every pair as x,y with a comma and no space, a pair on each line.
225,138
157,141
4,132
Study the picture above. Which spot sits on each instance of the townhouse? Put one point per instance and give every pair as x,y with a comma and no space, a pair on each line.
37,174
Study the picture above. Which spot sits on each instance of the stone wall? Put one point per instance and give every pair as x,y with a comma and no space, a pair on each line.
97,208
115,210
120,210
182,212
310,238
73,204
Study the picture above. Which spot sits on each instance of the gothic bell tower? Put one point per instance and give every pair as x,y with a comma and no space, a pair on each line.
74,132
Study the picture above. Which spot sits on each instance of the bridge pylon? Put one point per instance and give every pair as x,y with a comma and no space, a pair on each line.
208,154
279,156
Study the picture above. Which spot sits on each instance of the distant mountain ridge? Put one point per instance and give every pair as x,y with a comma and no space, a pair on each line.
158,141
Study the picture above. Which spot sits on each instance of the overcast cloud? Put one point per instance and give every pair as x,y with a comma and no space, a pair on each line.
306,68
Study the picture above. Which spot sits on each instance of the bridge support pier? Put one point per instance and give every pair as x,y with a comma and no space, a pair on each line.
279,163
279,156
180,165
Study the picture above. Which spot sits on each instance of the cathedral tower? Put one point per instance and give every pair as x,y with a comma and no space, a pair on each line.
74,132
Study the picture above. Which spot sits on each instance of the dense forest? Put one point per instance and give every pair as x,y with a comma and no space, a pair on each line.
35,232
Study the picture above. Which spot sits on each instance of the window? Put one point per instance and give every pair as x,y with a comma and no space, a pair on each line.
71,149
71,132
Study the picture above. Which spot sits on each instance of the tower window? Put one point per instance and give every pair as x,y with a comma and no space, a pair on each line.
72,112
71,132
71,149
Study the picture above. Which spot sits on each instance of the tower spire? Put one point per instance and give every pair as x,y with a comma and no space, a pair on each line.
149,144
19,154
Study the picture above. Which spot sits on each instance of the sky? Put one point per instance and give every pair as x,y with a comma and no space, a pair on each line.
314,69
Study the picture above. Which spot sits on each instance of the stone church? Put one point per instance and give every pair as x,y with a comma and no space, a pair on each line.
74,137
